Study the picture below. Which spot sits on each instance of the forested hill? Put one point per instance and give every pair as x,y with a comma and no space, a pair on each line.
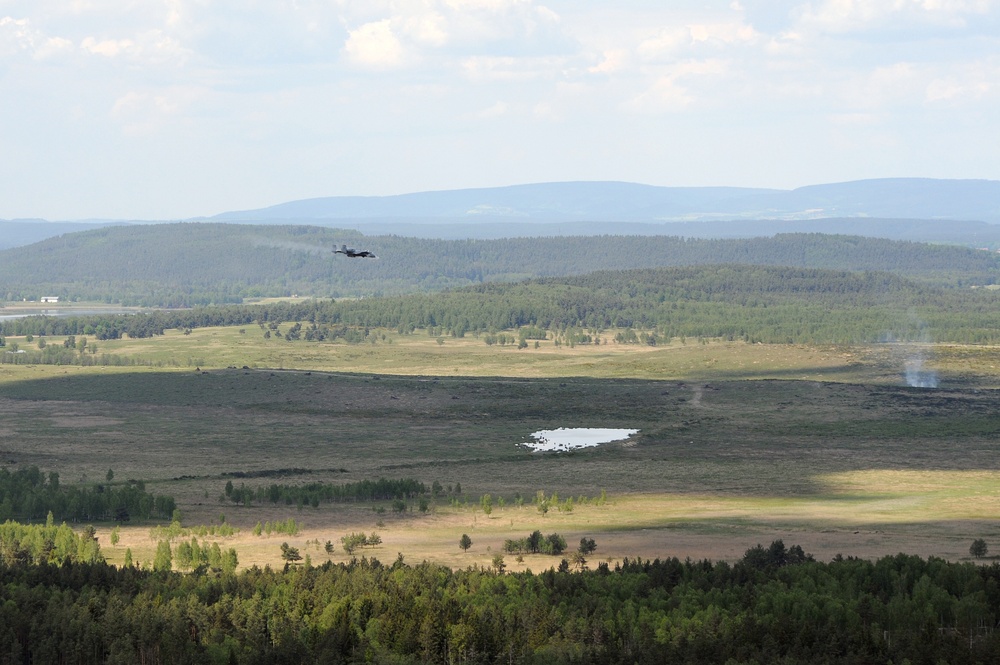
194,263
652,306
752,303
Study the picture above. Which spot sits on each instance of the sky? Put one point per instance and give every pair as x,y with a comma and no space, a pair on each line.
171,109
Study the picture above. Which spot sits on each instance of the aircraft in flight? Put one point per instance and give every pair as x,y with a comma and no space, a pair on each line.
355,254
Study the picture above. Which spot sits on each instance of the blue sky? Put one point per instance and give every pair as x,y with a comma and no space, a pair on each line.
166,109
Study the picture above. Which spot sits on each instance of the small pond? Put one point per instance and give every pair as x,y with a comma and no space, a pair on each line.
10,313
571,438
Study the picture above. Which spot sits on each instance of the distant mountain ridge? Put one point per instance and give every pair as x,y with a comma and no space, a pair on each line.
891,198
963,212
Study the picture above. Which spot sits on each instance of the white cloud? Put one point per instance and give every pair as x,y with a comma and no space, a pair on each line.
612,61
682,40
966,84
723,33
545,111
487,5
145,112
840,16
109,48
669,92
429,29
46,42
664,95
374,45
457,28
409,31
246,86
149,48
15,35
54,47
948,90
19,36
482,69
788,43
667,42
496,27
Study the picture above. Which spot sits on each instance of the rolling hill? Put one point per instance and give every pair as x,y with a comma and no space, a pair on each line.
198,263
20,232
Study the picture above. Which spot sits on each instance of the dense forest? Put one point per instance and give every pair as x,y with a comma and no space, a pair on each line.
316,492
29,494
751,303
775,605
181,265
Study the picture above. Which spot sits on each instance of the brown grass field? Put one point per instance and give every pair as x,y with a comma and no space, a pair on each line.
738,444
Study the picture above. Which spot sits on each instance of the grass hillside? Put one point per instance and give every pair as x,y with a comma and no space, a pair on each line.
189,264
718,465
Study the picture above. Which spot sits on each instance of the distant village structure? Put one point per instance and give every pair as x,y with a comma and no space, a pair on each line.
50,298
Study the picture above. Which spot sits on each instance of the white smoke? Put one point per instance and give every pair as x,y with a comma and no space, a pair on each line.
260,241
912,347
917,375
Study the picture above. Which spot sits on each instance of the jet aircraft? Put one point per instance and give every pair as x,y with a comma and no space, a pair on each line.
354,254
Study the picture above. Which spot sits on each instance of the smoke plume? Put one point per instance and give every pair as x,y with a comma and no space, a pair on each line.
912,346
917,375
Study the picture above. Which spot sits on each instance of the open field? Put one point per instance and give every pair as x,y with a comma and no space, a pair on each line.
420,354
738,444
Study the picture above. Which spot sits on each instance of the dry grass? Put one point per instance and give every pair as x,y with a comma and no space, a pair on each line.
739,444
420,354
650,526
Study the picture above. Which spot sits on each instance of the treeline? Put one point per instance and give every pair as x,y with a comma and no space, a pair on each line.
107,326
190,554
765,608
318,492
148,324
175,530
536,543
27,544
752,303
192,264
28,494
61,356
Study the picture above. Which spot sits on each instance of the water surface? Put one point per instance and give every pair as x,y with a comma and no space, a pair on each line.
571,438
8,313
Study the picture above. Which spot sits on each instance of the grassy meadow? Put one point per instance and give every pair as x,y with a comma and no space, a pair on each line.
739,444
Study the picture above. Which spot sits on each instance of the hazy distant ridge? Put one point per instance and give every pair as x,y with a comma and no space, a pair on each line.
895,198
965,212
